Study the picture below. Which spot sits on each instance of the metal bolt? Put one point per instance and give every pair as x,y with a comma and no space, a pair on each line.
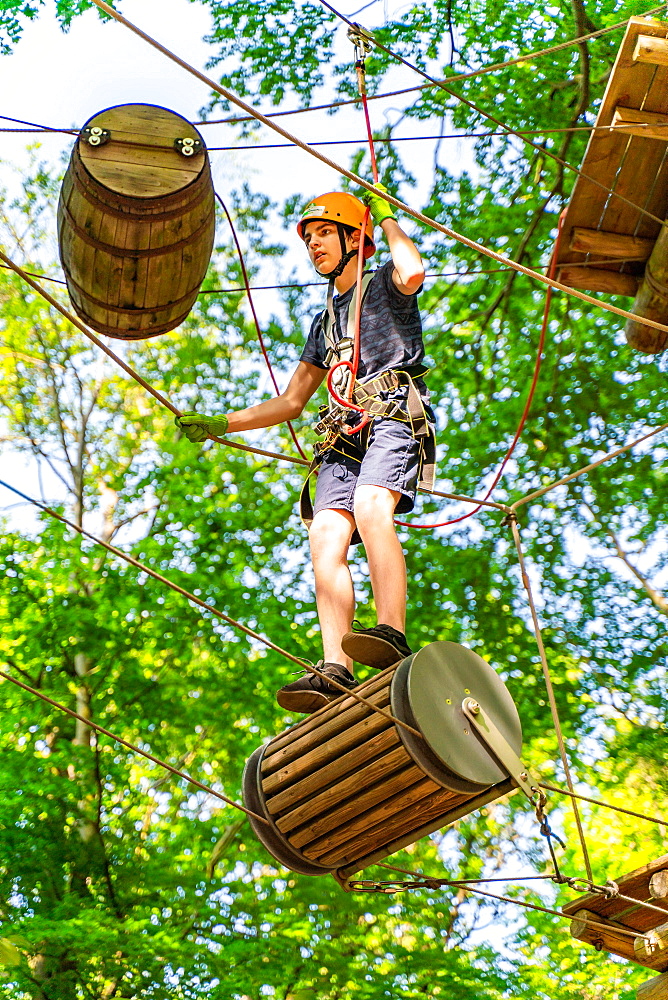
473,707
448,701
524,776
466,691
466,732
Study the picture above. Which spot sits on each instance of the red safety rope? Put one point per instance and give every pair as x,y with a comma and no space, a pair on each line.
260,338
361,46
527,405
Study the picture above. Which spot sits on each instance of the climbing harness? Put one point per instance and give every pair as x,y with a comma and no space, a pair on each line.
366,397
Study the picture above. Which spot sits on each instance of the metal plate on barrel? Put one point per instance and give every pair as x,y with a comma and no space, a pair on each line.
140,159
441,676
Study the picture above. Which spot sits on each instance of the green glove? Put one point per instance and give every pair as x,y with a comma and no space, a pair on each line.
198,427
380,209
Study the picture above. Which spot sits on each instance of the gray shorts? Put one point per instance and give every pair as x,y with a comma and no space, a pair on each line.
391,459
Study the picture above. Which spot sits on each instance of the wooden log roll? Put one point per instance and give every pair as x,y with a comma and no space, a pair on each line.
653,989
651,301
347,787
605,936
652,948
136,221
658,885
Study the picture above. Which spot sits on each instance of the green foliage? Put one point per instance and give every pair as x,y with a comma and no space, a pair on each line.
119,880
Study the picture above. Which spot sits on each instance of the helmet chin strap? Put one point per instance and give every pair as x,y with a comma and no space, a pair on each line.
346,256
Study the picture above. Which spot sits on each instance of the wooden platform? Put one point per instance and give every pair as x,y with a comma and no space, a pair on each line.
606,241
648,884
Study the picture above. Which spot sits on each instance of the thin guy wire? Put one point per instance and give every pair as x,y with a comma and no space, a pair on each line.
131,746
468,886
520,902
214,611
418,216
321,284
606,805
474,107
466,883
550,692
127,369
450,79
623,127
42,128
10,265
469,881
586,468
258,328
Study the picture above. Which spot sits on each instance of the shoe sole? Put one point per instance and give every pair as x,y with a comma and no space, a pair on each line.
306,702
371,650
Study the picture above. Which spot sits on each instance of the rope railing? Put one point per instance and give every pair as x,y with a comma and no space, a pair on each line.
495,67
130,746
233,622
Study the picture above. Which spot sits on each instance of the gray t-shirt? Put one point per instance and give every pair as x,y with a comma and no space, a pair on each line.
390,329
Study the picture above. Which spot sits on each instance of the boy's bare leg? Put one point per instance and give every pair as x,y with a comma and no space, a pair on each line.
374,515
329,538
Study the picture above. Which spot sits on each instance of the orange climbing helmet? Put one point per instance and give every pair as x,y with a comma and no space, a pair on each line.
343,209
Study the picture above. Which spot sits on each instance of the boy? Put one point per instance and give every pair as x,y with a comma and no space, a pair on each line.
366,476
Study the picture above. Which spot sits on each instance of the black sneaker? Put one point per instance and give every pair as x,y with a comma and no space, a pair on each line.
310,692
377,647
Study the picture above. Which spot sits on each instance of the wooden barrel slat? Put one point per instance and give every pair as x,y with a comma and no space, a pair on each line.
330,728
391,827
136,223
339,768
336,822
381,813
314,721
383,767
326,752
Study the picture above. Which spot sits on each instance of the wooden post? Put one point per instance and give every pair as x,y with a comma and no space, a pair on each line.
608,244
648,124
652,300
605,936
651,50
658,885
654,989
652,950
594,279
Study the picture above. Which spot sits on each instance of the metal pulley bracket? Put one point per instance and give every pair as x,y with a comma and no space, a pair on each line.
361,39
188,147
500,747
95,136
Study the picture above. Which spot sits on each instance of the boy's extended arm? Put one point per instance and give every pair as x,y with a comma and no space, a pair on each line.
304,382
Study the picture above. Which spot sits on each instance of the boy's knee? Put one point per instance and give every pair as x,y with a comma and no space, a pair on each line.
374,504
331,530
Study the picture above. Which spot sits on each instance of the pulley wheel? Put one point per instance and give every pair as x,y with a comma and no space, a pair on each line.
432,684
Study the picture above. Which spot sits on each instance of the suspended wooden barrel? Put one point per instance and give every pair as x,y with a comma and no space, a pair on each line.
347,787
136,221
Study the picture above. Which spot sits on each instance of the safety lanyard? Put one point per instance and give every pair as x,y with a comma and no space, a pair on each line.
341,349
